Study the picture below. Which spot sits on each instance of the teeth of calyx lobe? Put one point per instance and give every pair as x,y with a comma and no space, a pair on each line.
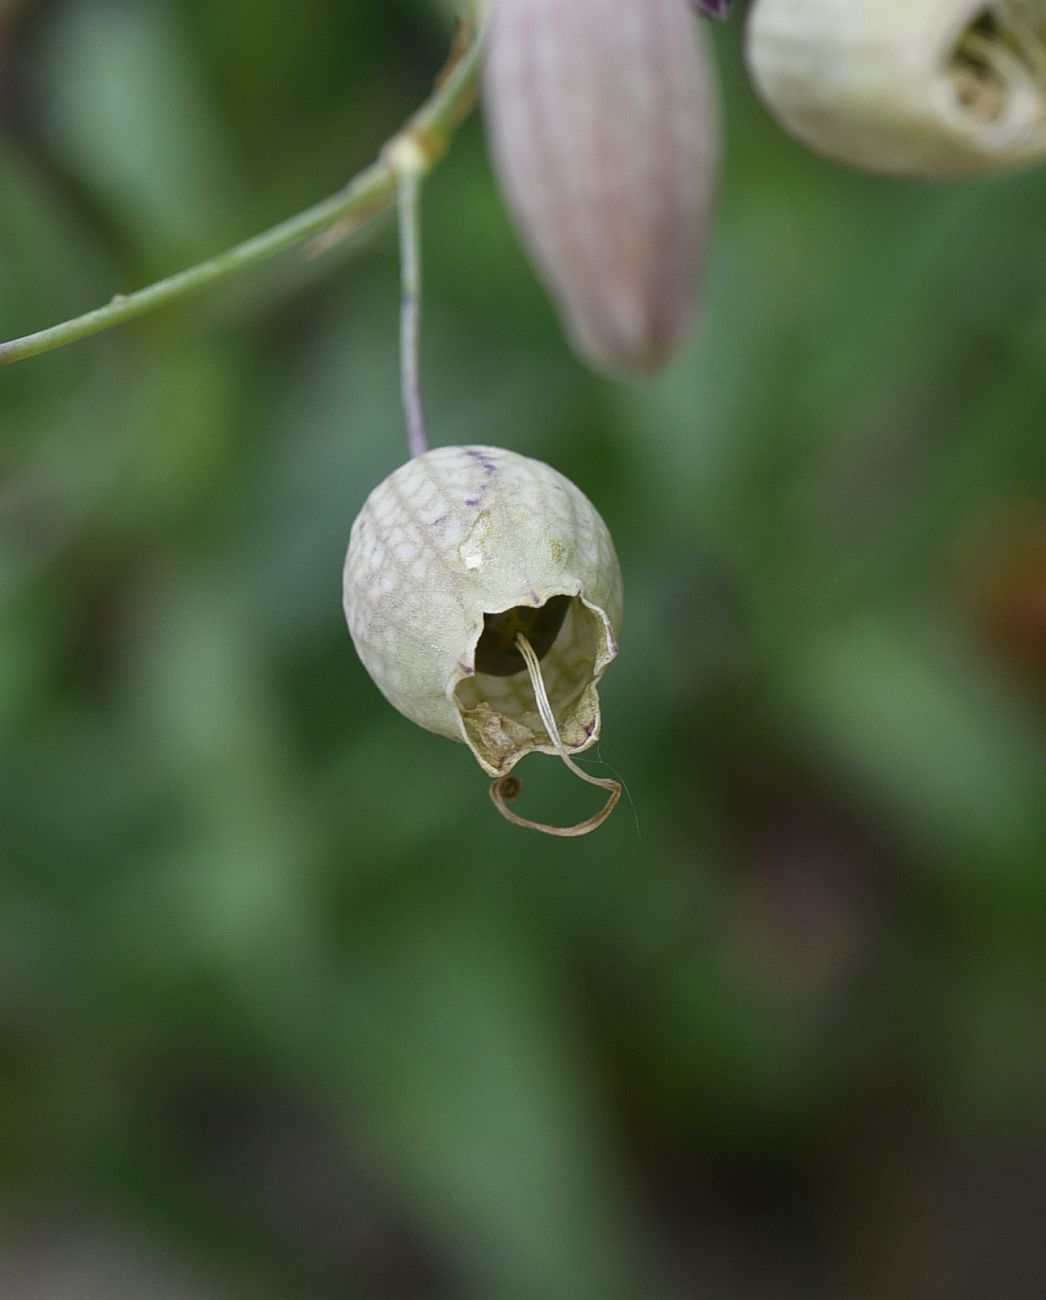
603,121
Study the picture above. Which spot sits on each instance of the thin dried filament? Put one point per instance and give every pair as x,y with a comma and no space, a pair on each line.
507,788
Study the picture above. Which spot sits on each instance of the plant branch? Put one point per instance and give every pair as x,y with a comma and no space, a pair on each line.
369,195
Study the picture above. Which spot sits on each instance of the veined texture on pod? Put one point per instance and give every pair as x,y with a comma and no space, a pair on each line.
936,88
451,556
603,121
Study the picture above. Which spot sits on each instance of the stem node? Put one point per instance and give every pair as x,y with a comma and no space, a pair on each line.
371,194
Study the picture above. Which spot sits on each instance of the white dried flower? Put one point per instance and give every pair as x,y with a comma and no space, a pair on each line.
936,88
452,557
604,130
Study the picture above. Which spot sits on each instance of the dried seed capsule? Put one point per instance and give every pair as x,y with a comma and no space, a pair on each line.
936,88
463,565
604,131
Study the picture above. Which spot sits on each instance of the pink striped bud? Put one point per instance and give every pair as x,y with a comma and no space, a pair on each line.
604,129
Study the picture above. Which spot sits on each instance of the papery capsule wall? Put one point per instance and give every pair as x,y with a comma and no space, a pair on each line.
456,535
937,88
604,130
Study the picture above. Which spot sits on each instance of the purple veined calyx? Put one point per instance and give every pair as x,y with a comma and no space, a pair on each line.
483,595
717,9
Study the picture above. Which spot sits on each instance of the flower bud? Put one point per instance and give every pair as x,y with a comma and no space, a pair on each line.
936,88
604,131
454,556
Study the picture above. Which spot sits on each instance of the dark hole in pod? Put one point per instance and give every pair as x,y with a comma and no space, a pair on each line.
496,653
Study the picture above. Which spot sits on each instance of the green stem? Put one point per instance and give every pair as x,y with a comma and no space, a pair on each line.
369,195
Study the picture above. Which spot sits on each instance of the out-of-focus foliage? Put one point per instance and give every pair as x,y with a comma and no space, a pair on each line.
285,1010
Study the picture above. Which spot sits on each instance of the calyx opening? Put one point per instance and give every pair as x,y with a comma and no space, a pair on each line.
497,652
500,718
1000,53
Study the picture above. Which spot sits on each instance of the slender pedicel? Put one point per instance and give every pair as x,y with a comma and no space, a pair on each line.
408,162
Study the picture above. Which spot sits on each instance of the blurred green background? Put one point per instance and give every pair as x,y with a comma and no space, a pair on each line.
285,1009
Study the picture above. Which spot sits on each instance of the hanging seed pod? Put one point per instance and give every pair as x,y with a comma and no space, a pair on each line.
936,88
483,596
604,131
